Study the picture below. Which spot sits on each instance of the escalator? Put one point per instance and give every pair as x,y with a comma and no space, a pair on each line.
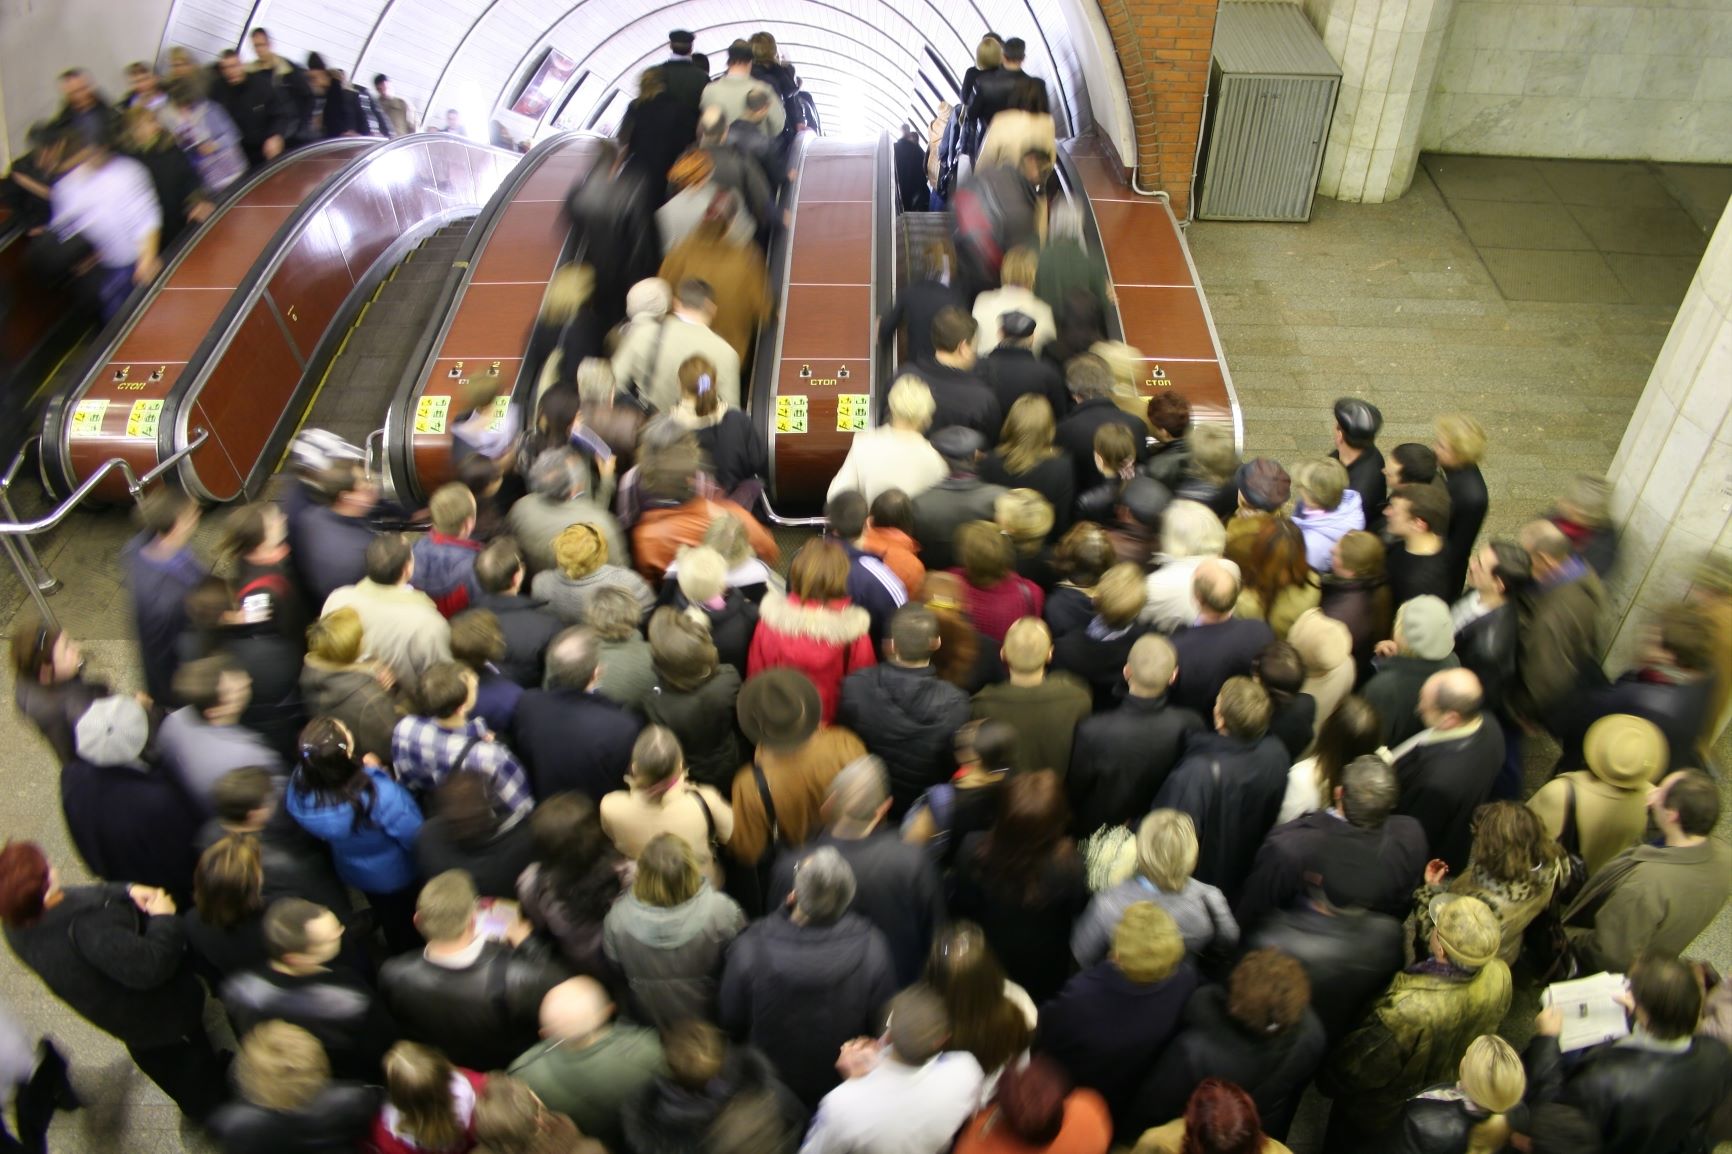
482,314
226,349
39,328
817,373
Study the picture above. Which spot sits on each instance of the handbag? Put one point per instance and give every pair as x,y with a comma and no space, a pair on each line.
1545,944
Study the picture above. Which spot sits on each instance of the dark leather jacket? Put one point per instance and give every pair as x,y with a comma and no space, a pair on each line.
1440,1121
482,1015
1487,645
1644,1101
334,1122
1349,956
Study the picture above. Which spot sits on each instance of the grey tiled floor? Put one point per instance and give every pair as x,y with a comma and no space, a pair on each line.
1392,302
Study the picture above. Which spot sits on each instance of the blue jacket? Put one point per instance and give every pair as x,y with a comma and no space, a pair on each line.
873,587
159,589
378,857
445,571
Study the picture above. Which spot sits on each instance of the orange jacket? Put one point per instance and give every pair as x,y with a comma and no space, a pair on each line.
659,533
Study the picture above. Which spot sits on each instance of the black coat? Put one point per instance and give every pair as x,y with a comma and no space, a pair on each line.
1375,869
483,1015
1099,661
613,217
1169,461
913,312
1233,790
124,973
1068,609
994,92
176,183
1210,654
1029,931
1468,502
911,187
1014,372
1439,1121
685,81
1105,1029
1076,436
1365,607
1416,575
1053,479
273,661
218,952
1679,710
1365,477
577,339
1274,1070
330,551
336,1121
494,864
296,864
731,626
131,824
1292,723
570,739
908,717
666,1118
896,888
1120,759
1394,692
655,132
55,709
1487,645
1643,1102
963,398
334,1006
798,992
735,449
1349,957
1443,782
529,629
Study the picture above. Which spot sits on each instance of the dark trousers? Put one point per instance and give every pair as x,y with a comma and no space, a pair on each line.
396,917
1508,786
36,1101
189,1071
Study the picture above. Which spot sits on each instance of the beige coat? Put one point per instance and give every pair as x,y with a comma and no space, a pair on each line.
1325,647
657,370
400,626
1610,818
631,818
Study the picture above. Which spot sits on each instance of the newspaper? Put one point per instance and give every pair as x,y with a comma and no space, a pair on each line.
1592,1012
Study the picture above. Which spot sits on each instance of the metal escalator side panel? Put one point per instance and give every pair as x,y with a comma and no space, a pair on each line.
495,291
823,388
254,386
1162,310
123,400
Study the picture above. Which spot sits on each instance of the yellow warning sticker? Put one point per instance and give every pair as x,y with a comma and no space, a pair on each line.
791,414
501,407
143,419
430,414
852,412
87,418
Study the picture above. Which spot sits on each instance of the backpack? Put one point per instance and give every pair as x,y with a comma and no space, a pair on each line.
940,802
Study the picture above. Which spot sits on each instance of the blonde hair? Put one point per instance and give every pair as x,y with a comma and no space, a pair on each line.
1027,645
280,1066
451,505
911,402
1167,848
1191,529
1147,945
1463,436
418,1083
1213,452
1025,516
667,872
1025,439
1321,481
1121,594
1019,268
336,637
1491,1074
445,906
989,55
570,287
702,573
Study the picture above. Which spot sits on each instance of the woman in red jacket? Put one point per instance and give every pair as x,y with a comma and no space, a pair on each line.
429,1104
814,627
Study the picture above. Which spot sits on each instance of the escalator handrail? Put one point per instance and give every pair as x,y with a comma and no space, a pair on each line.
767,356
55,429
1071,181
886,211
398,450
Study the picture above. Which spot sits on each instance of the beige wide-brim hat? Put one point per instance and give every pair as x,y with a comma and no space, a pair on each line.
1626,751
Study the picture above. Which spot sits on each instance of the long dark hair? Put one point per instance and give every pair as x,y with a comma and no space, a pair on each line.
574,853
1029,834
331,774
1352,731
962,970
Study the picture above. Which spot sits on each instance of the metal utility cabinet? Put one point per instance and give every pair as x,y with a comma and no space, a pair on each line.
1272,88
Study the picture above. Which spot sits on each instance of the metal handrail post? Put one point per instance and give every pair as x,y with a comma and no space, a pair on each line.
38,574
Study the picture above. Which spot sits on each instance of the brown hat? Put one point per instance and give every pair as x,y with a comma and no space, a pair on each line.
779,708
579,550
1264,484
1625,751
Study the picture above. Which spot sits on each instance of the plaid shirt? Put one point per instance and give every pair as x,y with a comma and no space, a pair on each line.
424,753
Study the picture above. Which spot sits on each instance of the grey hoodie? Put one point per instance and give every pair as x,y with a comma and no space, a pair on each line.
672,955
1323,527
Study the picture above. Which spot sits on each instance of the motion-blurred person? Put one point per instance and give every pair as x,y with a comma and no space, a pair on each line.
895,454
612,213
109,202
735,273
207,135
179,190
655,129
931,290
1014,294
287,1102
1459,445
290,81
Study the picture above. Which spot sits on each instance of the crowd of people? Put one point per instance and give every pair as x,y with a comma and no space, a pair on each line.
106,187
1082,785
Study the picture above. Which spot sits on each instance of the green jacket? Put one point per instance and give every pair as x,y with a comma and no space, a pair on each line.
1066,268
1649,897
1413,1038
589,1085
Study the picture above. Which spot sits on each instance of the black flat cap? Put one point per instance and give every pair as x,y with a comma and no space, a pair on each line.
1359,420
1016,324
680,36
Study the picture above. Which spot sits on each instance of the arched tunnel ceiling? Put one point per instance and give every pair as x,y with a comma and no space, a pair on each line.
862,60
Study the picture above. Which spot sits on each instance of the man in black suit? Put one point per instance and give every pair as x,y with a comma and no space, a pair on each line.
1446,770
1219,645
568,735
1030,94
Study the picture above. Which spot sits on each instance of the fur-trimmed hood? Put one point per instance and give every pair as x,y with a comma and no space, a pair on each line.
833,622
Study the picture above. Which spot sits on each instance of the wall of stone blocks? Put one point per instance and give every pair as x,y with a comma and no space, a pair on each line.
1164,48
1573,78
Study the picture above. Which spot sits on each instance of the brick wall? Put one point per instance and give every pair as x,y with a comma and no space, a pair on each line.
1163,48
